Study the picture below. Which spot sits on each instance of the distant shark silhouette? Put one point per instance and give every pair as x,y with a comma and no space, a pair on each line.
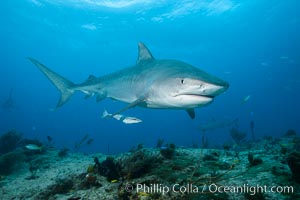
9,102
216,124
151,83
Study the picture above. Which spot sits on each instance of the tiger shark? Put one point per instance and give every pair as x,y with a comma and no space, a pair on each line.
150,83
9,102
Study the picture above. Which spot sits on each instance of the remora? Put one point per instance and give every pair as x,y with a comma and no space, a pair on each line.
150,83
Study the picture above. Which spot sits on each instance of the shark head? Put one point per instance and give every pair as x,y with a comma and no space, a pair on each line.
178,85
183,86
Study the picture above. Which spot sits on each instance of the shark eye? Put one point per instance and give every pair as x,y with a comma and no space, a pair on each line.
182,81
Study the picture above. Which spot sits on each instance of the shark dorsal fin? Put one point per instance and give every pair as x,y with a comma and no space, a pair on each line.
144,53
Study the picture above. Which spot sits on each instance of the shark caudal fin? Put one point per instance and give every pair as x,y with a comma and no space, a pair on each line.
65,86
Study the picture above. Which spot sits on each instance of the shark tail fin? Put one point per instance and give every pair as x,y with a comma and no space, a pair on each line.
65,86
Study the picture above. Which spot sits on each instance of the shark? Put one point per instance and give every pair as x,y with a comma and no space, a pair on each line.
217,124
150,83
9,102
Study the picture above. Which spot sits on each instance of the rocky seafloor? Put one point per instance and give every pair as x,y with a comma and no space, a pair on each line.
263,170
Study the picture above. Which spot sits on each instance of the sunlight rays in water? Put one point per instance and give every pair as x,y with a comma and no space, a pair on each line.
171,9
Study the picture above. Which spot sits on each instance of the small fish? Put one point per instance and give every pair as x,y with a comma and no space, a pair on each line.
287,144
245,99
86,139
106,114
51,109
34,147
264,63
131,120
163,147
114,181
284,57
119,117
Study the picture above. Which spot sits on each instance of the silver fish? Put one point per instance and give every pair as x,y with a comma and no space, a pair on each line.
119,117
34,147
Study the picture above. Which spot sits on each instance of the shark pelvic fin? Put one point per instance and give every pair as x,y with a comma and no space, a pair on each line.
65,86
144,53
191,113
100,97
88,95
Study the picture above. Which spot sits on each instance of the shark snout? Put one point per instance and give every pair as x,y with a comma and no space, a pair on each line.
215,89
224,86
204,89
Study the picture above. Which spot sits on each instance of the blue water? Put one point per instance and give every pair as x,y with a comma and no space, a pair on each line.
252,44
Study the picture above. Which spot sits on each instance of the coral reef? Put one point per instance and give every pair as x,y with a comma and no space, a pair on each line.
47,176
63,152
293,161
61,186
168,151
108,168
290,133
138,147
138,164
159,143
9,141
253,161
237,135
9,161
212,156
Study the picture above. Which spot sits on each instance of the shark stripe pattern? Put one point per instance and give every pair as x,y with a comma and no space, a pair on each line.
150,83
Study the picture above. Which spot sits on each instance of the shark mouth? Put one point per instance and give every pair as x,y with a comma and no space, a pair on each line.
207,96
195,95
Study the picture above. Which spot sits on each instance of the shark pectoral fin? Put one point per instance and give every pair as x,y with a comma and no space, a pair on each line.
191,113
133,104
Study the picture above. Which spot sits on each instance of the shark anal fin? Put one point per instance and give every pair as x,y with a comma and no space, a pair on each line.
144,53
133,104
191,113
